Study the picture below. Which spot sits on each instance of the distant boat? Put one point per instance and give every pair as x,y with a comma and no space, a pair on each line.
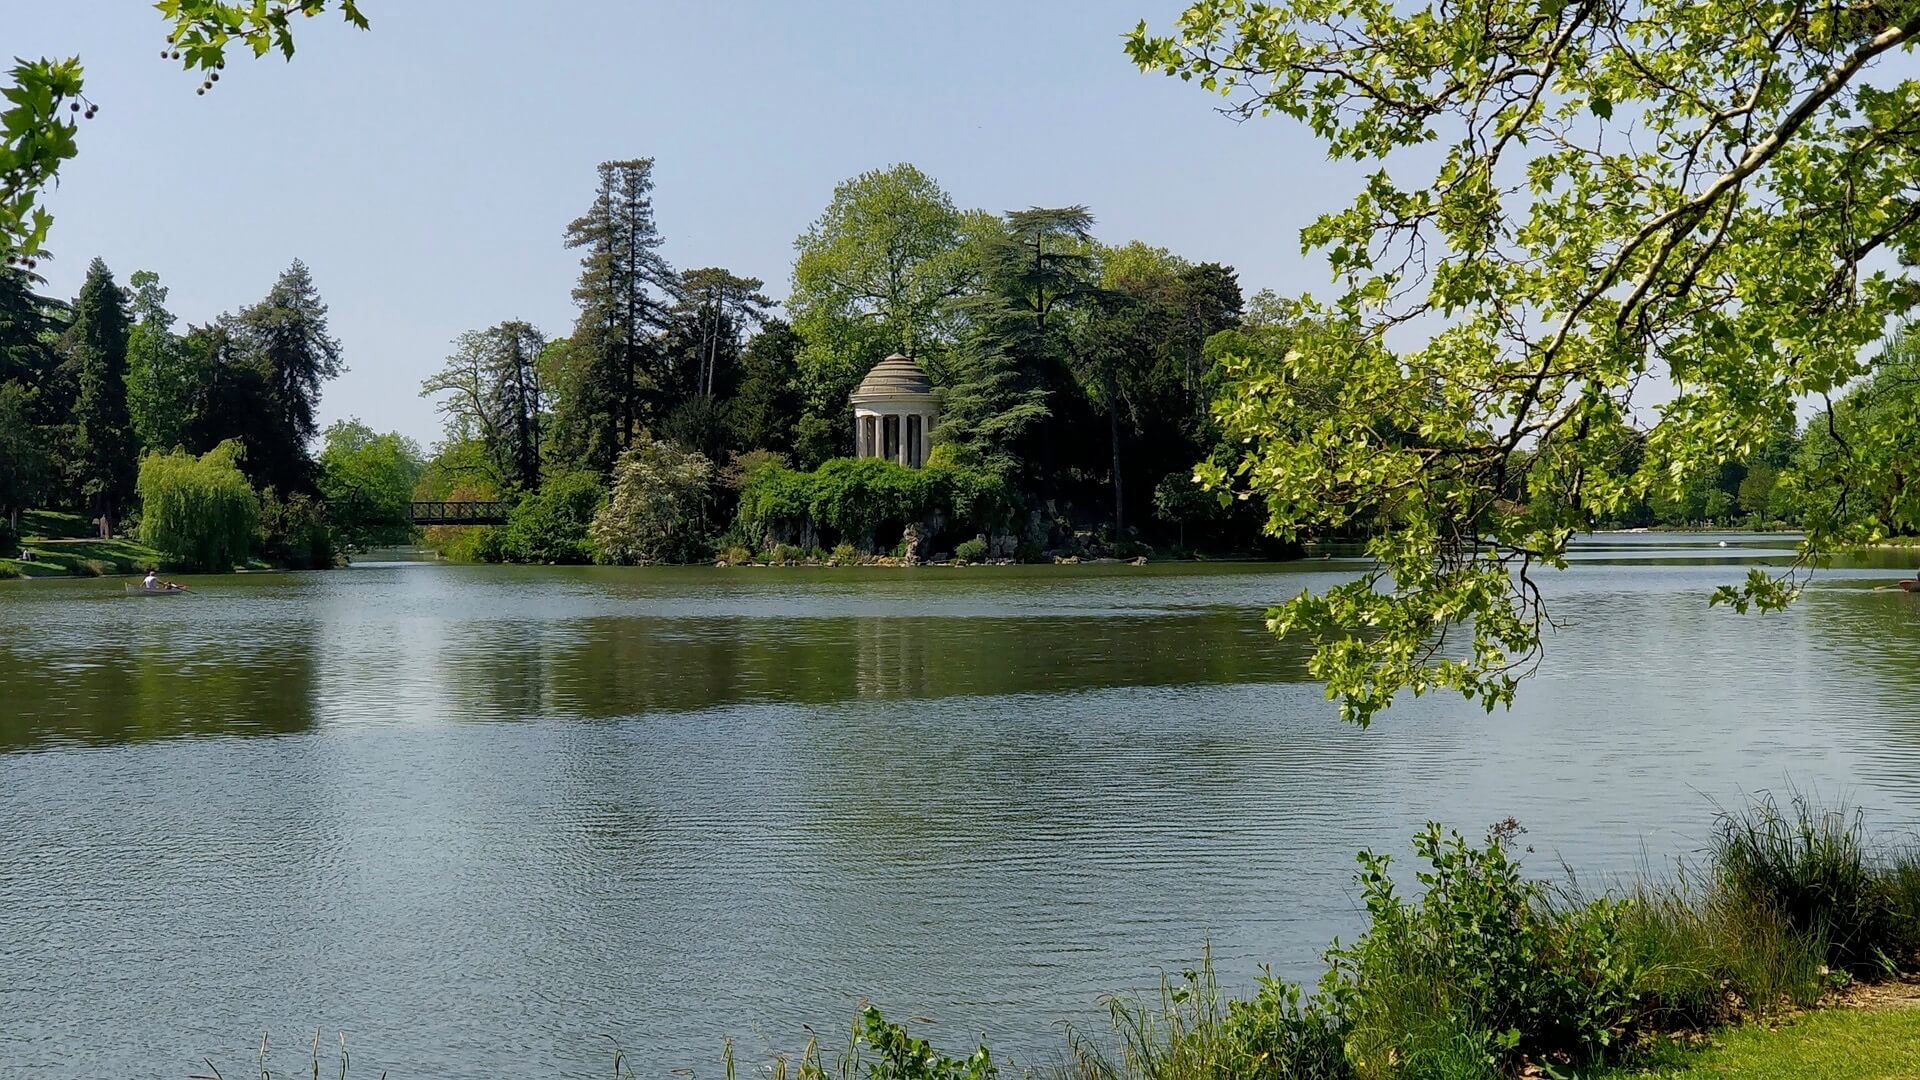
165,590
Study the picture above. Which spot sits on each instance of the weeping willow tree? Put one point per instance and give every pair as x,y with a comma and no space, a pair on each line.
1613,222
198,512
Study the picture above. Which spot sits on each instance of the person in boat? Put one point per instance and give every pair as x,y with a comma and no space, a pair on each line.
152,580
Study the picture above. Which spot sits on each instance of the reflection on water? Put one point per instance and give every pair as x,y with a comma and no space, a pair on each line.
498,812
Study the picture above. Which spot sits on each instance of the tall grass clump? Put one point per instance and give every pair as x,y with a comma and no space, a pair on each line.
1810,867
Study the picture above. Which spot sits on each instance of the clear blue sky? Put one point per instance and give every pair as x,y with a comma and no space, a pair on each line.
426,169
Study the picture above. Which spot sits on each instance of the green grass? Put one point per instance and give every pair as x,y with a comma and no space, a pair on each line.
1837,1044
64,545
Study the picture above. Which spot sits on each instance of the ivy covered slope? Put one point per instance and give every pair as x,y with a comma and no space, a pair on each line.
1581,218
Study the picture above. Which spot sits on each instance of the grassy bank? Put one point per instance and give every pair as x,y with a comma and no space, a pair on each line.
66,545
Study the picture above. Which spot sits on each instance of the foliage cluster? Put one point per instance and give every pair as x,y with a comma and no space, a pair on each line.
1582,201
552,524
198,512
659,507
867,502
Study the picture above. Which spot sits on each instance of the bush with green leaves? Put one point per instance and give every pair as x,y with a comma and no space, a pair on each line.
199,512
658,513
1487,967
552,524
861,500
970,551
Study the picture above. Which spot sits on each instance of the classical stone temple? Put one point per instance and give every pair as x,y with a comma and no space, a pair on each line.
893,412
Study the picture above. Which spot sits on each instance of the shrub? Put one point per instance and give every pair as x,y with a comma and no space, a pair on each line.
1486,967
471,543
968,551
658,510
8,573
551,525
785,555
844,554
9,539
1029,552
736,555
856,500
199,512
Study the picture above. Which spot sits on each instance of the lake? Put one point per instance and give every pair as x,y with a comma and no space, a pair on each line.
480,817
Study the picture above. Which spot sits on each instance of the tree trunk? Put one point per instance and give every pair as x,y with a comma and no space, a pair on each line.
1119,506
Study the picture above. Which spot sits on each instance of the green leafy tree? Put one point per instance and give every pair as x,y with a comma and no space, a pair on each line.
1699,192
368,479
38,128
552,524
1857,470
491,392
623,293
198,512
98,344
877,273
658,510
161,375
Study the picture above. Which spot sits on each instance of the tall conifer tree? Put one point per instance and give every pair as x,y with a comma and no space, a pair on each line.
98,345
624,291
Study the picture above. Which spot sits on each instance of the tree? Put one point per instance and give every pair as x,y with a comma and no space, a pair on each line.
1691,190
766,406
716,310
658,510
161,375
285,337
1857,470
368,480
37,130
493,396
98,343
24,460
876,273
990,405
623,292
198,512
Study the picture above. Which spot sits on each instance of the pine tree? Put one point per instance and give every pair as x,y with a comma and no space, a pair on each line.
285,337
624,289
990,403
98,345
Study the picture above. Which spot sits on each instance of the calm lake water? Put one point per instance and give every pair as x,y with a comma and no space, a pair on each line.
479,817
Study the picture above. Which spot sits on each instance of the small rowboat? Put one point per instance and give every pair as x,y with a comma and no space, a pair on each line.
142,590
